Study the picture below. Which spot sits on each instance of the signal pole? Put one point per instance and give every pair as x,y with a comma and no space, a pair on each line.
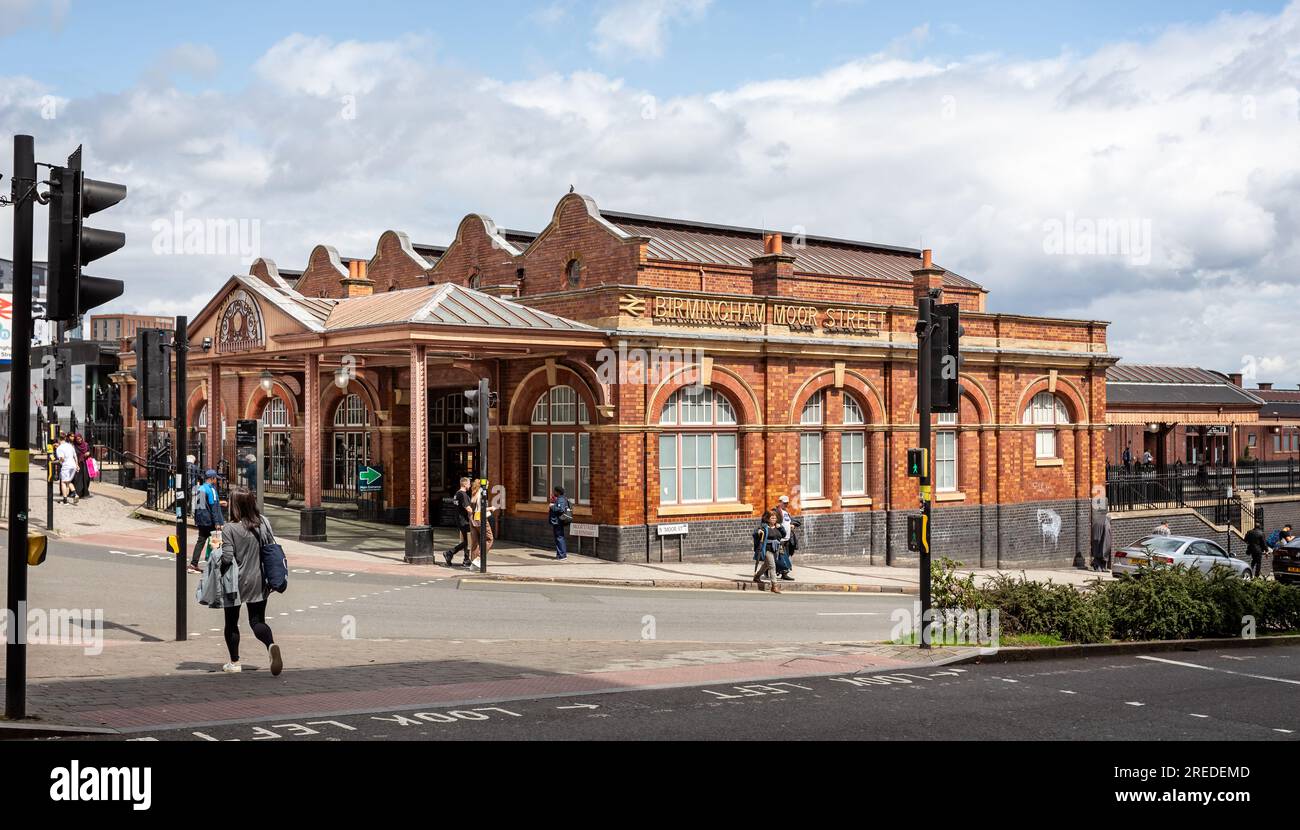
924,368
181,345
20,368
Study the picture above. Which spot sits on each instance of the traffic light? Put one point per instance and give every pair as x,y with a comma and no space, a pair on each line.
153,388
916,532
918,462
478,402
58,377
945,359
73,197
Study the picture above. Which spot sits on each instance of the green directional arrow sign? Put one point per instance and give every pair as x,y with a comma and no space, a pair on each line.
368,478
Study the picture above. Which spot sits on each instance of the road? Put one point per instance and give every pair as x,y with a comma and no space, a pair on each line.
1244,695
136,590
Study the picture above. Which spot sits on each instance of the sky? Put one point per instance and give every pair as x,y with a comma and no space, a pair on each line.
1134,162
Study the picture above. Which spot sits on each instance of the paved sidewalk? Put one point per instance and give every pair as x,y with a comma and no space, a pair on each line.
107,518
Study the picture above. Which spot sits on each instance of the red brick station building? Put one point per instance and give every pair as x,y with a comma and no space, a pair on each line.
665,372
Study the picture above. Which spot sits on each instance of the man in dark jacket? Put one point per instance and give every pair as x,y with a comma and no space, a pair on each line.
1256,546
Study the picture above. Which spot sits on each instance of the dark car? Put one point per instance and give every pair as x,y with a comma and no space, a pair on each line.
1286,562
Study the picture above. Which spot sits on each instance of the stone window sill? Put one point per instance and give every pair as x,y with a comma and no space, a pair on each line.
704,508
1049,462
855,501
950,496
814,504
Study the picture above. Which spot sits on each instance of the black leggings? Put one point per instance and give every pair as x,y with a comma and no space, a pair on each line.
256,621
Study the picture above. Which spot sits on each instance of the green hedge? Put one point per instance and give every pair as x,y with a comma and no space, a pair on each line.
1157,604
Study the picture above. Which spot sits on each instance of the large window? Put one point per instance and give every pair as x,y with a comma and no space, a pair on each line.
853,450
945,454
1047,412
351,441
810,446
699,454
560,445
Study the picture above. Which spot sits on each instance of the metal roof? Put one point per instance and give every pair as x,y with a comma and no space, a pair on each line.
447,304
698,242
1137,384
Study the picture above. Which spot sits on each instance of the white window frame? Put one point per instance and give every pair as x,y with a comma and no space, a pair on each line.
853,448
686,410
559,415
812,450
947,454
1046,410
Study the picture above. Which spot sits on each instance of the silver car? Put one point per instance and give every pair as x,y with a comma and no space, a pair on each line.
1187,551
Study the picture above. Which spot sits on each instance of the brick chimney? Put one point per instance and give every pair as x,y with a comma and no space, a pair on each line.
926,277
1265,387
1235,377
357,283
773,267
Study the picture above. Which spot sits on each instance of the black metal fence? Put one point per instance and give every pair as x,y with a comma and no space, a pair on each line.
1186,485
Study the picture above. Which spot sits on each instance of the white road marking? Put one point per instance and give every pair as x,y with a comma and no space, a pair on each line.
284,613
848,614
1230,657
1193,714
1134,703
296,611
195,634
1174,662
1008,680
581,706
1285,731
1222,671
1068,692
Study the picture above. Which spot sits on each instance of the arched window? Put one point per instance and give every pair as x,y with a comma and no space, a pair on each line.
351,444
810,445
202,420
1046,411
199,441
475,279
573,273
699,458
561,445
277,446
853,450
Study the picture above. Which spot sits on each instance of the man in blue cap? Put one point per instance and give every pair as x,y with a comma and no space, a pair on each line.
207,515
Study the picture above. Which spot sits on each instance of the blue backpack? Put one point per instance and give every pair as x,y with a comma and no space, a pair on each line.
1274,538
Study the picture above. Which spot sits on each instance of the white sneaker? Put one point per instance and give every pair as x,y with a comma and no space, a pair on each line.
232,668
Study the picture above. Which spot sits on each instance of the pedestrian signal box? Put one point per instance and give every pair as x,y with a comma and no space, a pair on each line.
915,532
918,462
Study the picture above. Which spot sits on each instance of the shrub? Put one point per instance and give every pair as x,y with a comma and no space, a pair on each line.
1161,604
1026,607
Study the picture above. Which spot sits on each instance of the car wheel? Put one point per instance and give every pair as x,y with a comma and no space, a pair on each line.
1247,574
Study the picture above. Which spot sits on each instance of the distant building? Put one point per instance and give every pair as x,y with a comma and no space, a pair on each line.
114,327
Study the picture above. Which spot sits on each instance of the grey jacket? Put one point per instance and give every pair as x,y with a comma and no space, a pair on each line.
241,546
218,589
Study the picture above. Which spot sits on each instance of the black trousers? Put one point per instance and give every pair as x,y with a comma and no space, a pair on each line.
204,533
256,621
1256,562
463,545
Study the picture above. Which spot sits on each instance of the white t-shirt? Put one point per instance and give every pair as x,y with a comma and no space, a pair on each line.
67,454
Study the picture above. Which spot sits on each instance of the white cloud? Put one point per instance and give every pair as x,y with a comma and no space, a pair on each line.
639,28
1193,133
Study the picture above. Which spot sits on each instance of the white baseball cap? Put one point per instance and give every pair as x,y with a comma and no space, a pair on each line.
784,500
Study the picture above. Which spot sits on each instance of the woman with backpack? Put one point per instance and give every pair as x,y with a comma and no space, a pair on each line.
560,517
769,540
242,539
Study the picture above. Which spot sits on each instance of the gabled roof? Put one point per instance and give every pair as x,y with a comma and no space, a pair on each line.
1278,403
677,240
1141,385
447,304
